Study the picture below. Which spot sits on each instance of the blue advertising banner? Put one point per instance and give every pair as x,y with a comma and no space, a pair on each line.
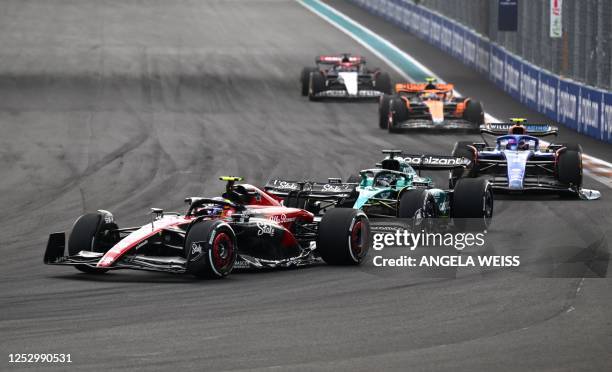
446,36
424,25
606,118
436,30
512,76
414,21
529,85
589,105
470,48
457,44
567,103
547,94
507,15
483,51
497,61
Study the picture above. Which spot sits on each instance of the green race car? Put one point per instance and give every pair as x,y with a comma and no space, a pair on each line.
394,188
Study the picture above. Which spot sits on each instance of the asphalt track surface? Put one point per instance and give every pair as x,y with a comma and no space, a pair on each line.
125,105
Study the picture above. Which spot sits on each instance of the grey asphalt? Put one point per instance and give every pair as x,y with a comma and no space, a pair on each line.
126,105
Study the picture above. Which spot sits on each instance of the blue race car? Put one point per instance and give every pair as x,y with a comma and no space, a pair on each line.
520,162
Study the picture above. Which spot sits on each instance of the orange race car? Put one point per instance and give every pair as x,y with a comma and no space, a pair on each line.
428,105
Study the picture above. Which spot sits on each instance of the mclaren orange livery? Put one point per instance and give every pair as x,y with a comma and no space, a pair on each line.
428,105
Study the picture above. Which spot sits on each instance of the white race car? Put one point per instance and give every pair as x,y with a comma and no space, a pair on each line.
343,76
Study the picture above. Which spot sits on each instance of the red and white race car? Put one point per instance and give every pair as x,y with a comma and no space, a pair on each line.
245,228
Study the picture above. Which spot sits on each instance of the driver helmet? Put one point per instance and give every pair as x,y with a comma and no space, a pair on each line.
431,96
511,144
214,209
431,84
517,129
383,182
523,145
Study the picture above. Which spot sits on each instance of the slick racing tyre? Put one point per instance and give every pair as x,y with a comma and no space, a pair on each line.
462,150
316,84
91,233
382,82
569,168
399,113
210,249
383,111
354,178
417,204
572,147
305,79
472,204
344,236
474,113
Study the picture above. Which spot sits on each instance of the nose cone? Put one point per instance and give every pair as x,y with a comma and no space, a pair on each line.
436,109
350,82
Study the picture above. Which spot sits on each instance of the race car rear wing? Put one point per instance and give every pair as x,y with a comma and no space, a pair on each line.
315,197
418,87
334,187
337,59
532,129
435,162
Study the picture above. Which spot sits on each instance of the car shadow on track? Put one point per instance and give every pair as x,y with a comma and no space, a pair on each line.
127,276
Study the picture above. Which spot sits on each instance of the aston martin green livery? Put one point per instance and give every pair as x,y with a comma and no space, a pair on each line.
394,188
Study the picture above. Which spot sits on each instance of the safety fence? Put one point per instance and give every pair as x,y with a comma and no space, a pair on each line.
576,105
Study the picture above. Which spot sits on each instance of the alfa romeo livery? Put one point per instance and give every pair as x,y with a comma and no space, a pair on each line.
244,228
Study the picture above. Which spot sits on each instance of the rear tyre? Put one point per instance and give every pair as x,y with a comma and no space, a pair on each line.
399,113
305,79
474,113
86,236
344,236
472,203
383,111
417,204
354,178
460,149
210,249
382,82
569,168
316,84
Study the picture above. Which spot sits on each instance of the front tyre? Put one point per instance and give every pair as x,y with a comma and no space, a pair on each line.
417,204
210,249
399,114
316,84
305,79
472,203
461,150
344,236
569,168
572,146
383,111
89,234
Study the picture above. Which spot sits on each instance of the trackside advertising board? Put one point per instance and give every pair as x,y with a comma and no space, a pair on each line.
583,108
